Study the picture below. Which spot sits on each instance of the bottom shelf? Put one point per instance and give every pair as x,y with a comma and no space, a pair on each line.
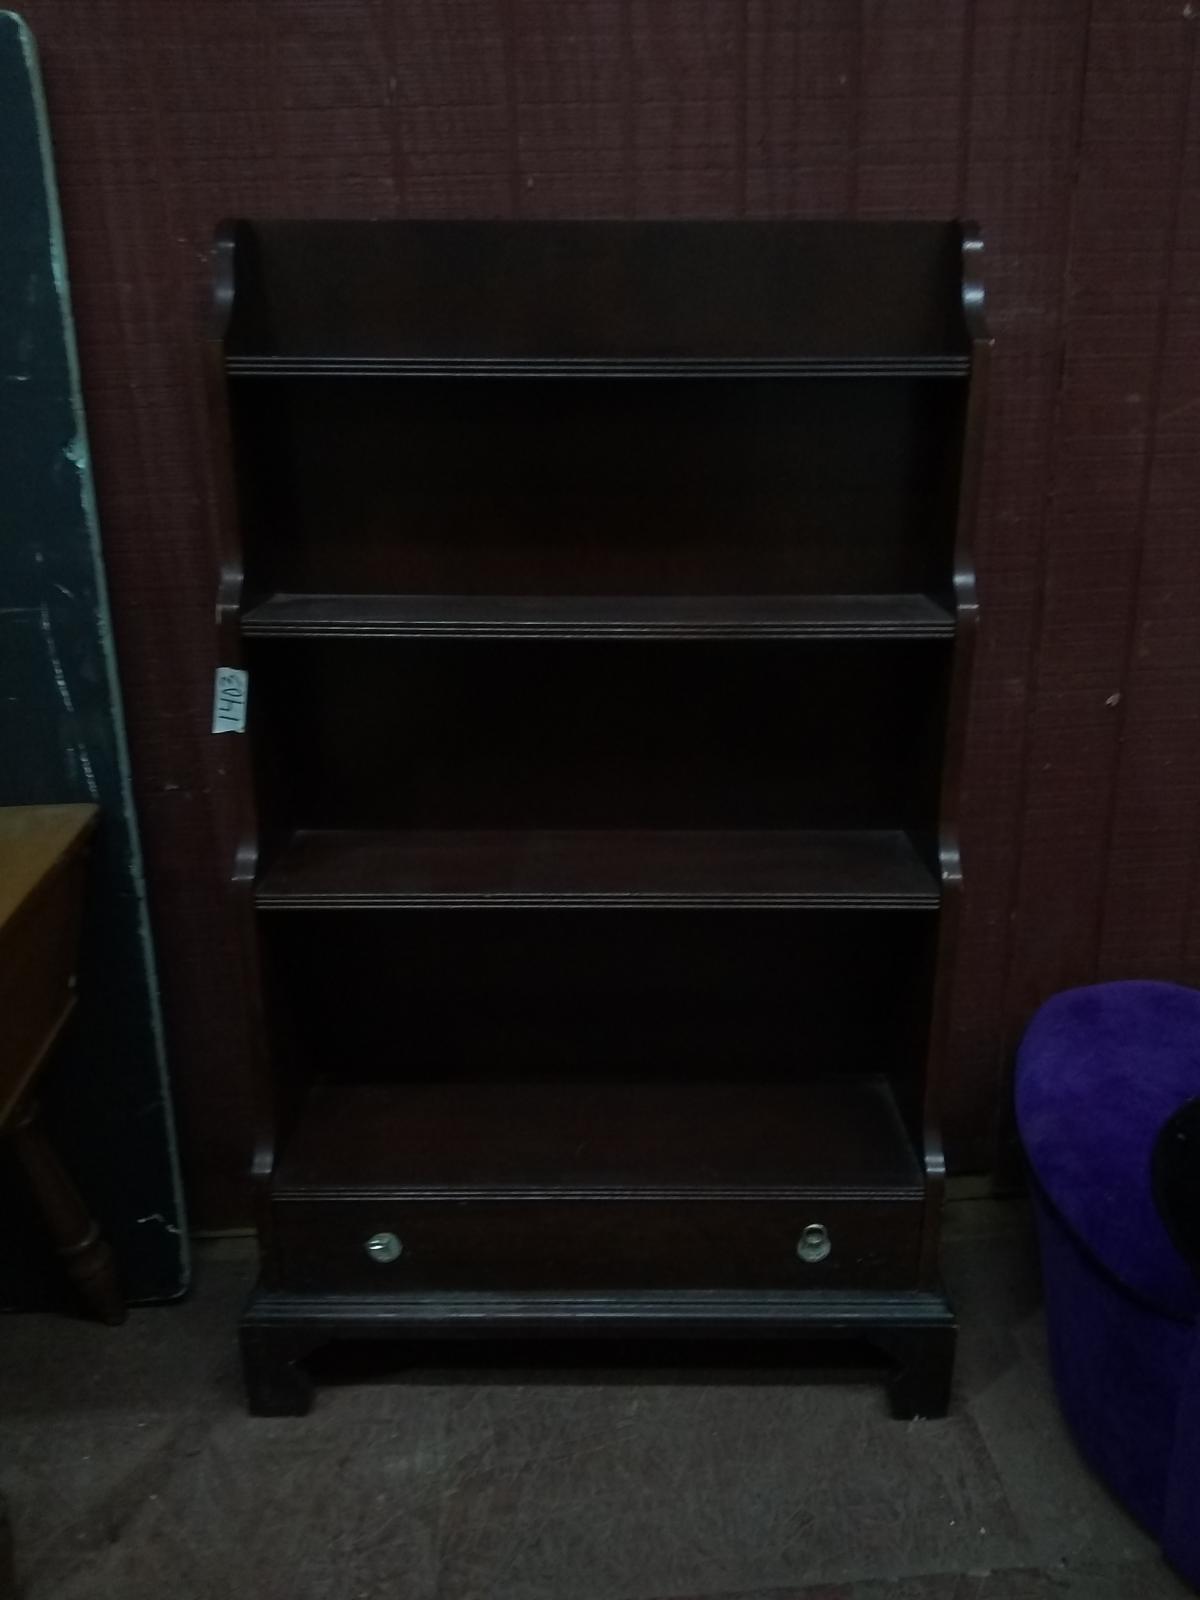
838,1138
556,1187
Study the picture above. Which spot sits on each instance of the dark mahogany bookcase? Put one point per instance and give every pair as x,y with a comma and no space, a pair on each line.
605,595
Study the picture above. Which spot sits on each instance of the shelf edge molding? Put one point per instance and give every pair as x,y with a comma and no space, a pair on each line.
421,616
348,870
568,367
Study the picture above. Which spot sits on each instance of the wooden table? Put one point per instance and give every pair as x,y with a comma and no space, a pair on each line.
43,853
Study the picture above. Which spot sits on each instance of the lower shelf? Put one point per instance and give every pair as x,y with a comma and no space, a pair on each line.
806,1139
598,1186
831,868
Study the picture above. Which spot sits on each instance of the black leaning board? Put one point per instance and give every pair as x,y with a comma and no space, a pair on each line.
61,739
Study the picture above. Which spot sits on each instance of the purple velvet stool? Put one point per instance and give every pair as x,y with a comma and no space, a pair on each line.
1100,1071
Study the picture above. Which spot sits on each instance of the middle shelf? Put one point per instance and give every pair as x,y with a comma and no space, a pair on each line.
415,616
341,869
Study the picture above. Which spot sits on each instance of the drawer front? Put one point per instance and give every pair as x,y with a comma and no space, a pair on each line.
354,1245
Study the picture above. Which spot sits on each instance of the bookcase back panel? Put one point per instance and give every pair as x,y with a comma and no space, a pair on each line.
614,487
537,734
605,994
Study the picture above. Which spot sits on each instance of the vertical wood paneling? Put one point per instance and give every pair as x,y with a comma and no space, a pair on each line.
570,87
1023,111
801,74
125,217
1128,168
1070,128
912,95
1154,843
332,114
688,66
451,67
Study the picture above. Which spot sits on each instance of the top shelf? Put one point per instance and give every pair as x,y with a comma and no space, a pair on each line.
352,366
593,299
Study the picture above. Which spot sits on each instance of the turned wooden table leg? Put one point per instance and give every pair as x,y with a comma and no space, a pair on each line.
85,1255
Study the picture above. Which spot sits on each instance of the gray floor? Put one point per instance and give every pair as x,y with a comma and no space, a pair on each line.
133,1472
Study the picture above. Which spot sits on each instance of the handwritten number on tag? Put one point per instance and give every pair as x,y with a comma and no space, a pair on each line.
229,700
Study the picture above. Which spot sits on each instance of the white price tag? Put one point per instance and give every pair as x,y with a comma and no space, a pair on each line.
229,700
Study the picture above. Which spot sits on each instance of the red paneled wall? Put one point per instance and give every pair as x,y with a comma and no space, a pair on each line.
1070,129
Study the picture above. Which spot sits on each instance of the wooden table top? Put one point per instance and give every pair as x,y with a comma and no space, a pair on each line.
33,841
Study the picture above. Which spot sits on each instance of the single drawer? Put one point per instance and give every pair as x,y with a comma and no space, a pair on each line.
358,1244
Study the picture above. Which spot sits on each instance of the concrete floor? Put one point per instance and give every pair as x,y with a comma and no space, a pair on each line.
133,1472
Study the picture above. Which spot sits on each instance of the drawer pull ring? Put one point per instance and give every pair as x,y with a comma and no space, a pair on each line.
814,1243
383,1247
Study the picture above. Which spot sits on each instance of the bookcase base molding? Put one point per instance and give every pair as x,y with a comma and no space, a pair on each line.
914,1332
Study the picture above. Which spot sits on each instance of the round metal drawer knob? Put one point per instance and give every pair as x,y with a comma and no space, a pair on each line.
814,1243
383,1247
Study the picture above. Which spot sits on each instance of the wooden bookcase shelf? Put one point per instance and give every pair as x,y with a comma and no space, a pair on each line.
596,867
563,368
615,1184
624,295
398,616
580,568
630,1139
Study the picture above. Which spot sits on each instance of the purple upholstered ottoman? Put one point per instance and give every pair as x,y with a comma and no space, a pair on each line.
1100,1071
